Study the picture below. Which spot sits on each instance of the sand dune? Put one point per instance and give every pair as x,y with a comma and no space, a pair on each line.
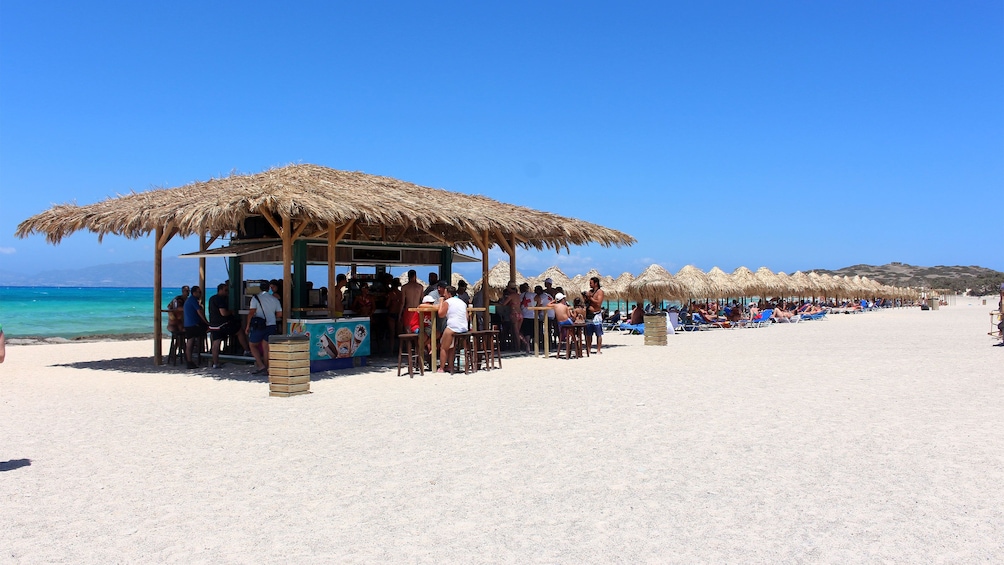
862,438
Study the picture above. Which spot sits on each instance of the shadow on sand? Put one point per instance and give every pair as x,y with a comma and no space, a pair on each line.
14,464
228,372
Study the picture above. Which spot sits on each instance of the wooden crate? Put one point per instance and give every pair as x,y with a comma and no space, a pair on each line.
303,387
287,394
288,365
288,380
655,329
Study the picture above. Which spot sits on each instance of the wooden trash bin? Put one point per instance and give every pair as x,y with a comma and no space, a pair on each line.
655,329
288,365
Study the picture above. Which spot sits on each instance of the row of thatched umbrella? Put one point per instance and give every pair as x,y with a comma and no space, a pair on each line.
655,283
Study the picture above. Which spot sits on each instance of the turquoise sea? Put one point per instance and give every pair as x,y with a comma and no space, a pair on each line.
77,312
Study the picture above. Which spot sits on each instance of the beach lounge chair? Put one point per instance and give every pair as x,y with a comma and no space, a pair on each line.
761,320
816,316
632,329
707,324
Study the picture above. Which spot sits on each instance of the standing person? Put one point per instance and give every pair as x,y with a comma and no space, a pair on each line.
394,301
364,305
527,299
549,288
195,324
545,299
3,345
462,292
478,301
224,321
594,315
433,283
337,299
1000,324
267,308
176,312
454,310
411,294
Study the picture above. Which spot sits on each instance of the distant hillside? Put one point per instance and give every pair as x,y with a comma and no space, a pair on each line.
177,272
958,279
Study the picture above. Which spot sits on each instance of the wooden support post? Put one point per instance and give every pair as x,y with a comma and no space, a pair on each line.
287,274
332,242
202,266
512,258
158,266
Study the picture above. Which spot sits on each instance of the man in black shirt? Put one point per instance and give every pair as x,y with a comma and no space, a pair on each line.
222,322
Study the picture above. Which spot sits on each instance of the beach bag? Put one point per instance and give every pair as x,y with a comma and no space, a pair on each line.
258,323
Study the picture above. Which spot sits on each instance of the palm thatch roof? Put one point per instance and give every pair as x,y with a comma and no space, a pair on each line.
767,283
558,278
655,283
618,289
498,279
744,281
723,281
801,284
319,197
697,283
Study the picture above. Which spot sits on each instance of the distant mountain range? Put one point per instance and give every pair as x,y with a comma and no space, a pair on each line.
177,272
979,280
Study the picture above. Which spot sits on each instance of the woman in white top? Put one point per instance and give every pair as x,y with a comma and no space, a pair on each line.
455,312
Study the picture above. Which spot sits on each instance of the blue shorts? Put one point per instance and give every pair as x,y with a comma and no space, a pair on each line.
256,336
567,322
595,327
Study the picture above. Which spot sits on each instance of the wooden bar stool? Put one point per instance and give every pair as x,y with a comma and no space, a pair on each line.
494,344
572,337
482,349
464,342
407,345
177,348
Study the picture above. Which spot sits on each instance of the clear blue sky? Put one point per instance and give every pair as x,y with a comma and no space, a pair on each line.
793,135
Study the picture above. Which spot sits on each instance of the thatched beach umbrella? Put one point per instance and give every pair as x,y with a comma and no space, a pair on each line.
767,282
744,281
696,283
785,285
618,289
498,279
558,278
800,283
723,281
655,284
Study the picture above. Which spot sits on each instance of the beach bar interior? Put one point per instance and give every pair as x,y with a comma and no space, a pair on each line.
305,214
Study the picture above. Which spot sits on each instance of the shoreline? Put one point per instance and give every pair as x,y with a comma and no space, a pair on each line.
48,340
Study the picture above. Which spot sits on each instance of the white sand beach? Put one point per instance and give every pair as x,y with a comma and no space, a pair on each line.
875,437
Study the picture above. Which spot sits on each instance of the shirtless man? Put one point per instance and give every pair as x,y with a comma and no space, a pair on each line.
562,313
176,312
411,297
594,319
337,297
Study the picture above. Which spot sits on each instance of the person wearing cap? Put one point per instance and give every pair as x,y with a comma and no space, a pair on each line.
436,292
426,323
545,299
462,292
562,313
549,288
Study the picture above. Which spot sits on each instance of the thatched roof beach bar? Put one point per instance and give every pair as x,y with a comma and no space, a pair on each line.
311,202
